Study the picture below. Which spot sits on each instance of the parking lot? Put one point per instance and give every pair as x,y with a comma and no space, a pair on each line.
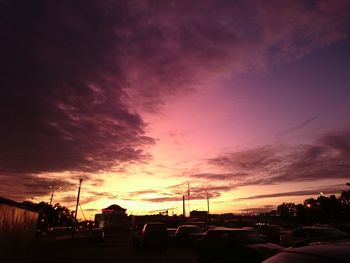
113,249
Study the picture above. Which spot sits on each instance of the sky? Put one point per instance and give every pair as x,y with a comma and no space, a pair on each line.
246,102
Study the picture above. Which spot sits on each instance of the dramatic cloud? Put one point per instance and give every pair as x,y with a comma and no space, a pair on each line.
28,186
61,103
76,75
328,157
174,47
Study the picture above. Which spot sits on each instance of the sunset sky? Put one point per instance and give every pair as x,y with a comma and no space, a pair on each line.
247,101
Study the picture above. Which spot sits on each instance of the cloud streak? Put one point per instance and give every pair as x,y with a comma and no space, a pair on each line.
336,189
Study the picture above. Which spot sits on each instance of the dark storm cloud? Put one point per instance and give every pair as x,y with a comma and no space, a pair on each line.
75,74
61,103
327,157
177,46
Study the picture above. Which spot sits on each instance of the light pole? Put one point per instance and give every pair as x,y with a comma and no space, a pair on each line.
53,191
76,208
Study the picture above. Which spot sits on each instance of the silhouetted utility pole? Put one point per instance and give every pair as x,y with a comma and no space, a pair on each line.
51,198
188,196
208,202
76,208
183,206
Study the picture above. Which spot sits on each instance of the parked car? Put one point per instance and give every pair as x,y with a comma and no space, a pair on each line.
171,234
221,244
136,233
308,234
96,235
154,236
335,252
272,233
185,234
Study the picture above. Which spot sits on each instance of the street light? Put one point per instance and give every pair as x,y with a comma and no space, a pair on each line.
53,191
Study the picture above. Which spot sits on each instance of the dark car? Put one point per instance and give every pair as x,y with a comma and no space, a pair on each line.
171,234
96,235
154,236
308,234
335,252
272,233
185,234
221,244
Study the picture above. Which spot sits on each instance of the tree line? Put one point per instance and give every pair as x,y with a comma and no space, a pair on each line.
51,215
320,210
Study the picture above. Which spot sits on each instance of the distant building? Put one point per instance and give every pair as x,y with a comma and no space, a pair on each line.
114,209
199,214
111,217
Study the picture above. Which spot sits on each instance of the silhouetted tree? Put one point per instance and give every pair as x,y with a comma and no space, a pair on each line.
345,197
287,211
324,209
51,215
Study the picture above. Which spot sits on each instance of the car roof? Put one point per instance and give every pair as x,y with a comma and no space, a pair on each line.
318,227
338,250
221,228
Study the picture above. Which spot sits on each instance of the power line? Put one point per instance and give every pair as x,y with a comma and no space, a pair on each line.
82,211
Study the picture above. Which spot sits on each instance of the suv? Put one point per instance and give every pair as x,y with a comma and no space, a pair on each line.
272,233
185,235
154,235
